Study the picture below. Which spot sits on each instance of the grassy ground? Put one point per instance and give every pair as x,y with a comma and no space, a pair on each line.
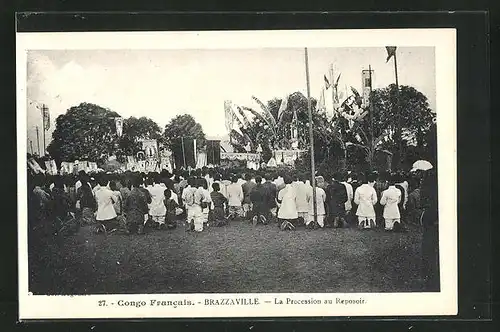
235,258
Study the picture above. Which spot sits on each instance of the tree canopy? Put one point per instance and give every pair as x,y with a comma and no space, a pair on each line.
86,131
134,130
183,126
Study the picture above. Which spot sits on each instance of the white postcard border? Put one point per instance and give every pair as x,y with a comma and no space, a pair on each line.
375,304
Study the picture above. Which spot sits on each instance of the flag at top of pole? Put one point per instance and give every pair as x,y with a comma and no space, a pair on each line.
391,51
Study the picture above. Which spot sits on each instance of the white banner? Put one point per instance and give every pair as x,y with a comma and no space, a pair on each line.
240,156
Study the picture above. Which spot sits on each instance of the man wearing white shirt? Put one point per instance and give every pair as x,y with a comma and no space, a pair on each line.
391,197
157,209
105,199
320,206
287,198
365,197
301,191
235,198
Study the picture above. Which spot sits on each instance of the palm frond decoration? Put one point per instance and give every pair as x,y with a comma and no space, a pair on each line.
267,114
261,117
236,137
245,120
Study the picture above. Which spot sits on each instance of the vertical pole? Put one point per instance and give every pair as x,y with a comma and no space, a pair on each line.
38,141
311,139
332,84
31,146
372,147
183,152
44,109
398,110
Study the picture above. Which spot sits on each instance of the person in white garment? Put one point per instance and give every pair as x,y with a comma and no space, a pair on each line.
287,199
203,197
390,199
106,214
350,196
365,197
235,198
188,198
320,207
157,209
302,203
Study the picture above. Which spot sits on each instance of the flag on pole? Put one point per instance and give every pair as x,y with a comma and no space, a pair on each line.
46,117
391,51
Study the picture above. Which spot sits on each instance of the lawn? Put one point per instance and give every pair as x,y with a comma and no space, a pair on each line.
235,258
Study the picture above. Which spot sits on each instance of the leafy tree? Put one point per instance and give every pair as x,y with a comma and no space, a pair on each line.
416,119
86,131
183,126
135,129
271,128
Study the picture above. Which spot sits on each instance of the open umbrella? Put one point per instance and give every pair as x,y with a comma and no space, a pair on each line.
422,165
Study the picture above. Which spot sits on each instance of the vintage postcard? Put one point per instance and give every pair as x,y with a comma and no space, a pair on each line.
294,173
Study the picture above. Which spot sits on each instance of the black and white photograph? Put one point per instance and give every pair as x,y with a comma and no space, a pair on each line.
271,173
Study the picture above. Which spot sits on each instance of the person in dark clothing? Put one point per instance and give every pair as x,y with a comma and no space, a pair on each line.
430,236
136,208
86,201
257,197
270,195
61,206
380,186
336,196
60,199
247,188
219,202
171,208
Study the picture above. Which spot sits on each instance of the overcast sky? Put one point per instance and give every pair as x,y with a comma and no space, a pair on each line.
163,83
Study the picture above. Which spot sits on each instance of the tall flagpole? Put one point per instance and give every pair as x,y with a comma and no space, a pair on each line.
372,147
183,152
398,109
31,146
44,109
38,141
311,138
